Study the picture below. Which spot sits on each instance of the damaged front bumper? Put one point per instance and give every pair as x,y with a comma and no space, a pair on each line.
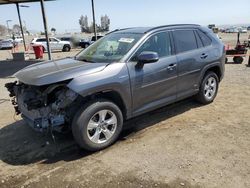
43,107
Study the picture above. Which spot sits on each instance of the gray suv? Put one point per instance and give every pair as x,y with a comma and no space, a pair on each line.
124,74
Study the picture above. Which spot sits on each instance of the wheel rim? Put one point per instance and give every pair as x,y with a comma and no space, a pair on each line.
102,126
210,88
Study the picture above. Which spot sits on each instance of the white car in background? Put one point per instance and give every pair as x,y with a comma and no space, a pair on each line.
6,44
55,44
18,39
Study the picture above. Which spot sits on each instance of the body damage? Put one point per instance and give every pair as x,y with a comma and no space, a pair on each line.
42,107
51,98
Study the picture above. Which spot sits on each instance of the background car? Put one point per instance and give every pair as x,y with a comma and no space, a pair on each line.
232,30
84,43
242,30
6,44
55,44
18,39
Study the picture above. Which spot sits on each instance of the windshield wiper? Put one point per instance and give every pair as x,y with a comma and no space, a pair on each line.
85,60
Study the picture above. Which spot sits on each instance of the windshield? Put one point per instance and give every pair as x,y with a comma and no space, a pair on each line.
110,48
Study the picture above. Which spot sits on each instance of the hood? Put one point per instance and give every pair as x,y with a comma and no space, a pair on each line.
56,71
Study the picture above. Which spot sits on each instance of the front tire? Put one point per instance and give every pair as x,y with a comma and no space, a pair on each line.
208,88
97,125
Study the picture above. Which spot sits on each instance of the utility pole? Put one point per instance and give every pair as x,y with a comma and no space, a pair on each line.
21,25
45,28
93,13
7,22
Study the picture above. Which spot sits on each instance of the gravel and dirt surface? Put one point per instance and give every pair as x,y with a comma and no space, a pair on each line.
181,145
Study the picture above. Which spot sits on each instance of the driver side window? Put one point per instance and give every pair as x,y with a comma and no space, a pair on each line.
159,43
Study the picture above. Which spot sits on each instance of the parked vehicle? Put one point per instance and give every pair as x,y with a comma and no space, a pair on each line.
242,29
232,30
55,44
6,44
18,39
248,28
84,43
125,74
238,53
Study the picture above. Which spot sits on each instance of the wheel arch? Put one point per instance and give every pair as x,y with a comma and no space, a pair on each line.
111,95
216,68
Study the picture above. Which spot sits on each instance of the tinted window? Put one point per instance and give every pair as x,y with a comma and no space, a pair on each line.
159,43
204,38
184,40
41,40
198,40
53,40
65,39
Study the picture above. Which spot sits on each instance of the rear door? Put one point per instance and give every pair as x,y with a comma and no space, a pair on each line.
41,41
190,58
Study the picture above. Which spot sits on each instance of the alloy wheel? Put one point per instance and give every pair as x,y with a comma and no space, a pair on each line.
102,126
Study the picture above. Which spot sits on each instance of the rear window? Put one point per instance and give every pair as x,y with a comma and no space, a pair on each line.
204,38
41,40
184,40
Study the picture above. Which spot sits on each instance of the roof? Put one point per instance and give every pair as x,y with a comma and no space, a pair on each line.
141,30
4,2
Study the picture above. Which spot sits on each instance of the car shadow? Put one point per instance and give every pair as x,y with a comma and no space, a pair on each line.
20,145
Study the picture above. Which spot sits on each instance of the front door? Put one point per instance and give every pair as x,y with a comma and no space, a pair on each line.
154,84
54,44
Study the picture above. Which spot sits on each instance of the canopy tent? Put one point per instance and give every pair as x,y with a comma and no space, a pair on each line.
4,2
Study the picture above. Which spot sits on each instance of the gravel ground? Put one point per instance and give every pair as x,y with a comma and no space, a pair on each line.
181,145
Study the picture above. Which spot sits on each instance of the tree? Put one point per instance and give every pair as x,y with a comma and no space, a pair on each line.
53,30
16,29
3,30
105,22
83,21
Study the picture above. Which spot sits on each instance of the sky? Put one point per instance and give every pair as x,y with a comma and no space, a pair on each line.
64,14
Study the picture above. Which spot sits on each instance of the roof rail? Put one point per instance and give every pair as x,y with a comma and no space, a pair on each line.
117,30
173,25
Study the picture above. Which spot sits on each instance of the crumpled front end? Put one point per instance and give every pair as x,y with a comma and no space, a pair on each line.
44,108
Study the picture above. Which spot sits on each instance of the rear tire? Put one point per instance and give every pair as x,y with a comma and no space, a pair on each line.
238,59
208,88
66,48
97,125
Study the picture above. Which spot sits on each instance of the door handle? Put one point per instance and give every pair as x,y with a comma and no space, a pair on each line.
171,66
204,56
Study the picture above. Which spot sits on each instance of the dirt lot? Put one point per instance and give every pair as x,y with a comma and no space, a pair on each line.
181,145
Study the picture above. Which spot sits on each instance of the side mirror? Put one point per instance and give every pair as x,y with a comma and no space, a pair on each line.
148,57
